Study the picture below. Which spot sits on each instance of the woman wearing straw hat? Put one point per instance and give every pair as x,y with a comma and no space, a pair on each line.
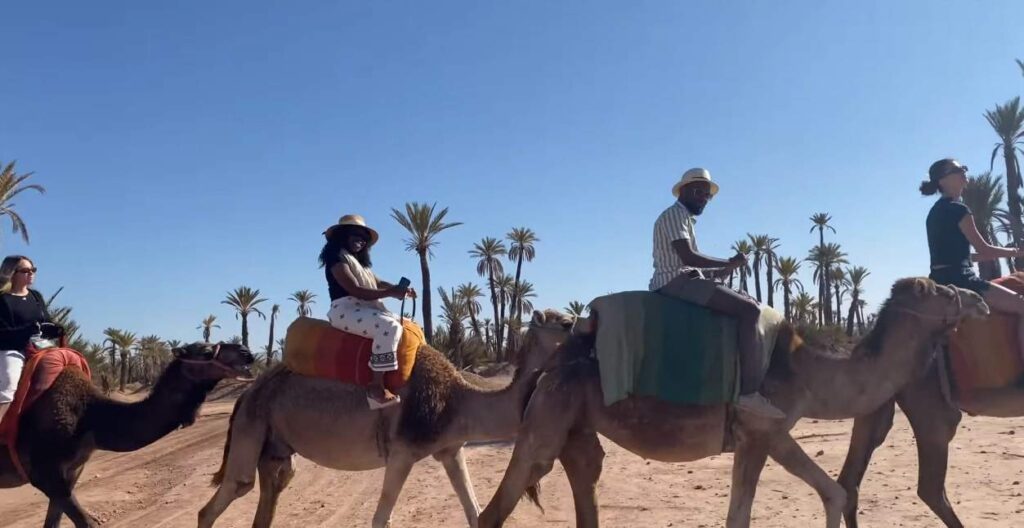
356,295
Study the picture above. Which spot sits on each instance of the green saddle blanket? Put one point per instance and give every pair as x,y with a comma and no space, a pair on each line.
649,344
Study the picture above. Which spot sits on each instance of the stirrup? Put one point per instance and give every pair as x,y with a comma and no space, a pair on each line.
376,404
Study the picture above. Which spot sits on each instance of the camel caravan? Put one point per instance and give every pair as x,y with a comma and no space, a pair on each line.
682,371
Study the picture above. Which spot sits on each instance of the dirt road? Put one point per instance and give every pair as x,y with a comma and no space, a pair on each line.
164,486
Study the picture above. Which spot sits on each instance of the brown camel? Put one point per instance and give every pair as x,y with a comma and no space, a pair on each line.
567,412
71,420
328,422
934,421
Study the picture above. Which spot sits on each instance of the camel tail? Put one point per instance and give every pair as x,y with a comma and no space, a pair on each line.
533,494
218,477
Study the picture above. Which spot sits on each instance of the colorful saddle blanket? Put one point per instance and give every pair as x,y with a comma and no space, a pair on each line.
983,353
315,348
649,344
37,376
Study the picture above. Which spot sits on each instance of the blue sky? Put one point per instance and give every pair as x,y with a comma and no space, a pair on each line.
191,148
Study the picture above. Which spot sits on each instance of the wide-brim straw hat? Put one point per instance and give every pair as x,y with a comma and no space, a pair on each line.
693,176
353,220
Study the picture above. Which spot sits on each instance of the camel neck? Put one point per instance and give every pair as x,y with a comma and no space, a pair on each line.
172,404
494,415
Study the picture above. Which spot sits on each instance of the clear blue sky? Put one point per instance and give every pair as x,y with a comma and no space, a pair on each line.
192,147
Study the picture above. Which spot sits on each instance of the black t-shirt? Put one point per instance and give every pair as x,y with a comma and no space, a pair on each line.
20,318
946,243
336,290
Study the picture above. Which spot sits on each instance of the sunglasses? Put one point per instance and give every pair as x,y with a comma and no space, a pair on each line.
954,170
27,270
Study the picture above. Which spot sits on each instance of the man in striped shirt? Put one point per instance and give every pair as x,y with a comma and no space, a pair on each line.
679,271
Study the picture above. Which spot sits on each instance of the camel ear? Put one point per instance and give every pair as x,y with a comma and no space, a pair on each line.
194,350
538,318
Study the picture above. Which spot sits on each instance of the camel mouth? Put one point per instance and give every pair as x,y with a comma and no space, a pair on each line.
243,373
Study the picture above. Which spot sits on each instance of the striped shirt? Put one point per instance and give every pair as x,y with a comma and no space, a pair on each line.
675,223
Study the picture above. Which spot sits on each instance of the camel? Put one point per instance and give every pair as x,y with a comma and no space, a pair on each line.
566,411
329,422
934,421
72,419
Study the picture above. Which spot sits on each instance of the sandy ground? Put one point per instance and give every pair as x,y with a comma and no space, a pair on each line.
164,485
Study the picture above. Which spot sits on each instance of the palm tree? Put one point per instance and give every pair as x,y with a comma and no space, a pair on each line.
803,307
983,195
110,335
153,356
1008,122
788,268
11,185
743,247
820,221
244,300
520,302
125,342
856,276
824,257
270,342
207,326
304,299
759,243
423,226
576,308
503,285
837,277
488,252
771,255
454,314
521,247
469,293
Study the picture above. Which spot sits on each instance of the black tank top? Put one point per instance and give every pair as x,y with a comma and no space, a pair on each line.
947,244
334,288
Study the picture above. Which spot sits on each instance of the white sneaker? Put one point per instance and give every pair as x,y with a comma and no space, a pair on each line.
757,404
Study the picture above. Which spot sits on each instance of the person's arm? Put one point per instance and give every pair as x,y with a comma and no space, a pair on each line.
343,274
985,251
684,248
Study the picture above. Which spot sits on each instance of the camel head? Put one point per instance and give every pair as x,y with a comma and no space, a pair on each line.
215,361
548,330
934,305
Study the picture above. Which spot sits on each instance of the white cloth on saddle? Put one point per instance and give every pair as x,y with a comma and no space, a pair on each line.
11,364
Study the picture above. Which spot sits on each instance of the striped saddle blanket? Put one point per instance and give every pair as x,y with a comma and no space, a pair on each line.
315,348
983,353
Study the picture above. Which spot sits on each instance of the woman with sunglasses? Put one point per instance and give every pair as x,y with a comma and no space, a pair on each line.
22,316
951,235
356,295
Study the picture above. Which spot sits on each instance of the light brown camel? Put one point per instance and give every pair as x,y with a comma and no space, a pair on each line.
329,423
566,412
934,421
72,419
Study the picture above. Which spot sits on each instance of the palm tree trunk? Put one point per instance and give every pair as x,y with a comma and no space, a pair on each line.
839,306
494,305
474,323
732,276
851,316
771,284
270,343
785,300
245,330
518,313
124,371
757,275
501,339
1013,197
428,321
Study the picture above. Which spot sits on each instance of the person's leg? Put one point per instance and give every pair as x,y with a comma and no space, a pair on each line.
1007,301
351,315
752,364
387,332
11,363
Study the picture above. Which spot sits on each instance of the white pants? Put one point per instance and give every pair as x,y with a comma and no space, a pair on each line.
11,363
370,319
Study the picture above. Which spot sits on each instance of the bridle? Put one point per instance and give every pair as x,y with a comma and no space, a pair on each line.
213,361
946,319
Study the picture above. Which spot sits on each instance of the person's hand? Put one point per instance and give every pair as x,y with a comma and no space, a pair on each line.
398,293
410,292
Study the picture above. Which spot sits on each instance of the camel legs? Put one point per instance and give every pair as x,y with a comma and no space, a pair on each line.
275,473
542,436
784,450
454,462
868,433
582,458
934,423
395,473
243,454
58,486
748,461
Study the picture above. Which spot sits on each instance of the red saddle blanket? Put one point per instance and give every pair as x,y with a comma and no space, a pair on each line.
315,348
984,353
40,371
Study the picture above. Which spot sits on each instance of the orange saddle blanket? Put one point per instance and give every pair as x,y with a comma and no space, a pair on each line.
40,371
315,348
983,353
